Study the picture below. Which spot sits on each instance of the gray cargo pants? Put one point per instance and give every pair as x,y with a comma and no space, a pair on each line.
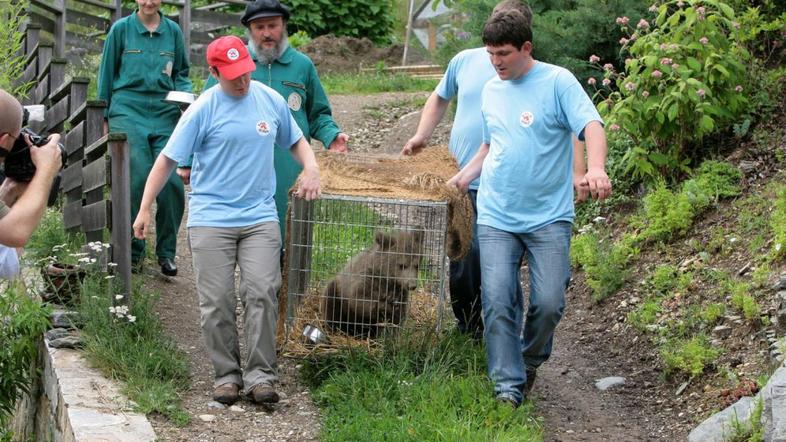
255,250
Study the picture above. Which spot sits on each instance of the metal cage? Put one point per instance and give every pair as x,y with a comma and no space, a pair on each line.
361,266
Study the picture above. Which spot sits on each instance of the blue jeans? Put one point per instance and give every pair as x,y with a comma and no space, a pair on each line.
510,350
465,283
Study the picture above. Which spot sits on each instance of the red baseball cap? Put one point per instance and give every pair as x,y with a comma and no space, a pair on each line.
229,55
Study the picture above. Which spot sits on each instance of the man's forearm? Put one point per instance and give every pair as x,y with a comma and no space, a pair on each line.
433,112
20,222
595,138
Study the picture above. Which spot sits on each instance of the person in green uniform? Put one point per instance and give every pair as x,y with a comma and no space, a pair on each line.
293,75
145,58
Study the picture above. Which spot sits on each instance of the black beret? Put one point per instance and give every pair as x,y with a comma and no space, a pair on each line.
264,8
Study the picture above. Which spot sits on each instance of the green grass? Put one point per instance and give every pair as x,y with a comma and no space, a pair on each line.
138,353
50,239
646,314
418,387
341,230
374,82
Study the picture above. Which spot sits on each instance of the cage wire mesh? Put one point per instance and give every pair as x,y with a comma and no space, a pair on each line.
362,266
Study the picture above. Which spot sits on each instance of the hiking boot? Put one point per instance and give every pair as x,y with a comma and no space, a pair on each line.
531,375
168,267
263,394
227,393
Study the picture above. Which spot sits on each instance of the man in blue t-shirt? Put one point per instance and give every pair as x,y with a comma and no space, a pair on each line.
231,131
464,79
525,198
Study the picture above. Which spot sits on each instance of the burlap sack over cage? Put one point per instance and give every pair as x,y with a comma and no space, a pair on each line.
421,177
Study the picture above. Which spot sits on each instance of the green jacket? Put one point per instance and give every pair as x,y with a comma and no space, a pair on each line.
137,62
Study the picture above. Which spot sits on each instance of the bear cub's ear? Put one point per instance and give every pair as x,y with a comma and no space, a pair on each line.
384,240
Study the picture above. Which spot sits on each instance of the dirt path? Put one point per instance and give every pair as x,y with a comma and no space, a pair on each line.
573,409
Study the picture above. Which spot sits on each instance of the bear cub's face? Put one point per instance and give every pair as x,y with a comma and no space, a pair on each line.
399,256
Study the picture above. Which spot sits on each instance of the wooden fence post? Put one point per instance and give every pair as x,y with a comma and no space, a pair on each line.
121,211
185,24
60,27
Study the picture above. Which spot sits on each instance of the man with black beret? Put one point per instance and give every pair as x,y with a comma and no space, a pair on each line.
293,75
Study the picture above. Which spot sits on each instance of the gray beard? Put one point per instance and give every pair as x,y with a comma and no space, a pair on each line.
268,56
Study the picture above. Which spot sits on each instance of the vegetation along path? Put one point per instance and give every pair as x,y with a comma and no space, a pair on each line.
573,409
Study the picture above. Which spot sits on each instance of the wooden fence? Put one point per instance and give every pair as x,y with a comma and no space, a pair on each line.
81,24
95,181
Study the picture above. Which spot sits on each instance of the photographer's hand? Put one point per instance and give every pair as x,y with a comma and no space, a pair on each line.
46,158
17,226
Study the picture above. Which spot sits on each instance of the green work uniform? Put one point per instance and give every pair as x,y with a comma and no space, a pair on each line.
294,76
138,68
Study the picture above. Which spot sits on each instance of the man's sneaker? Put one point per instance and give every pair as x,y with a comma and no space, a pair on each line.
168,266
227,393
507,400
531,375
264,394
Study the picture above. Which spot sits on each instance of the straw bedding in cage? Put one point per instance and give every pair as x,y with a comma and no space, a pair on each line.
421,178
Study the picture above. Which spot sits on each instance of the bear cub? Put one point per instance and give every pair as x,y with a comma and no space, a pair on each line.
372,291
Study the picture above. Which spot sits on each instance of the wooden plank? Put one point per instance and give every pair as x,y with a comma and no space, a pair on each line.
121,209
75,140
72,177
95,174
215,18
57,114
94,122
42,21
88,20
185,22
78,115
60,28
78,93
72,215
95,216
30,72
201,38
32,36
98,4
79,41
51,8
96,149
45,53
40,91
57,71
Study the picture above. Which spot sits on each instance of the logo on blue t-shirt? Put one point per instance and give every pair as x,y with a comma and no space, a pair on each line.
263,128
526,119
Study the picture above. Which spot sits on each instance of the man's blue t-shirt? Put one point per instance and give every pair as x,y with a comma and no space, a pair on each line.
464,78
527,177
232,140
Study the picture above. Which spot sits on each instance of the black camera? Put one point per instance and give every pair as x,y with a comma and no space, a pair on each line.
18,163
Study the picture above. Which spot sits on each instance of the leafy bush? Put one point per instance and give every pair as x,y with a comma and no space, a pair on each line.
11,16
778,224
605,263
690,356
712,313
666,214
715,179
51,240
299,39
646,314
22,323
353,18
685,77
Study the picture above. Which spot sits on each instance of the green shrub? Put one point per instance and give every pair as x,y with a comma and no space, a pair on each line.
690,356
353,18
712,313
299,39
22,324
12,14
666,214
605,263
645,315
778,224
716,179
51,240
685,77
